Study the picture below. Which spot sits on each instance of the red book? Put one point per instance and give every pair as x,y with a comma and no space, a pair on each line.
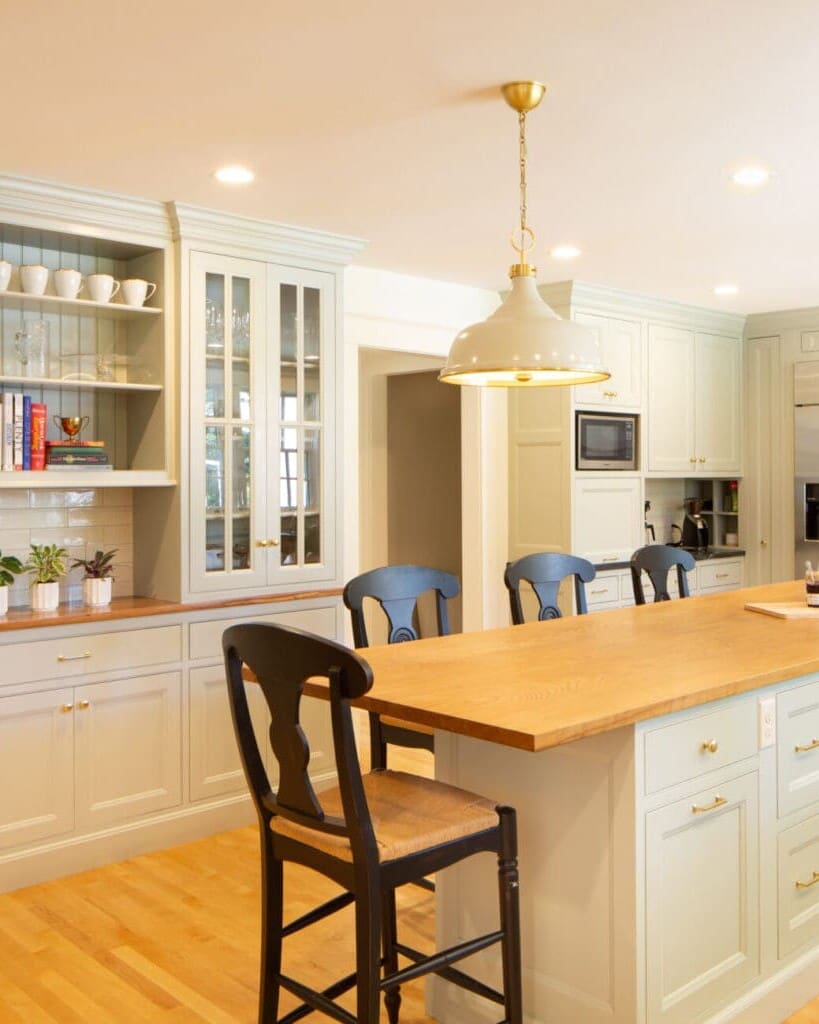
38,433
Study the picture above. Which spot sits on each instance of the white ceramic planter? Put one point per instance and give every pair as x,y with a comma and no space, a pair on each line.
96,591
45,597
4,600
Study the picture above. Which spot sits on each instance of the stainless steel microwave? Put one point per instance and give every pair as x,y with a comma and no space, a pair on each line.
606,440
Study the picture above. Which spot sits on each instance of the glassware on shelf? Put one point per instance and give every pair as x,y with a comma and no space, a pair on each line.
31,345
214,327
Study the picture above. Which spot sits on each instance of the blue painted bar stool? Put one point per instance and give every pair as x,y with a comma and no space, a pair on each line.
657,560
545,571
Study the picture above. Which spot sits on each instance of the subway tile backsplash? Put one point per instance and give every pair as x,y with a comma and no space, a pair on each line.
80,520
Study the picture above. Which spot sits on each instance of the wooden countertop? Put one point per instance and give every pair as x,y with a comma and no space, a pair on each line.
137,607
542,684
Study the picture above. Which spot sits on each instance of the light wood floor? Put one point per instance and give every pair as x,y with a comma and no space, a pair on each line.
174,936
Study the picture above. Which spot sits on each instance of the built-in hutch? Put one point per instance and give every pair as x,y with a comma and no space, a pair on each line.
219,403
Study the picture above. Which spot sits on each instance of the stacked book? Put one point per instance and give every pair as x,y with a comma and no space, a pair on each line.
70,453
22,432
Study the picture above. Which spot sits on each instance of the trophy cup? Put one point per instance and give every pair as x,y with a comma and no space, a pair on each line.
71,425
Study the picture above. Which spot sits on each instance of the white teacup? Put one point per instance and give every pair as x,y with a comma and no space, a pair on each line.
135,291
101,287
67,283
33,279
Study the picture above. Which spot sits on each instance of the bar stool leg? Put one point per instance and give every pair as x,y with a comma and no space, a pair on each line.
367,951
272,923
392,997
509,886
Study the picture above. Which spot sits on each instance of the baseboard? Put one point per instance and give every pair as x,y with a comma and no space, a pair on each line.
778,996
66,856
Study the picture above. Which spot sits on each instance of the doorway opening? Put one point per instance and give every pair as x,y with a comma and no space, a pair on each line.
410,470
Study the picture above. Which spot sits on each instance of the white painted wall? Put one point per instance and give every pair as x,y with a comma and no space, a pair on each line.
401,314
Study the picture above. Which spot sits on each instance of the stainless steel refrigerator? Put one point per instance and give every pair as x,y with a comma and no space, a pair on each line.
806,464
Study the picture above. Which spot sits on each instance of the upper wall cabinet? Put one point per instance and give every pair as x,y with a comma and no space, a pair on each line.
103,360
262,349
693,402
621,348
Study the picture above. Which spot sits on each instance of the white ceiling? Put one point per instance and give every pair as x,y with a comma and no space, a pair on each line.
383,120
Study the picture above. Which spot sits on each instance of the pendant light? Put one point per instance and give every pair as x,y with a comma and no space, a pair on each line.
524,343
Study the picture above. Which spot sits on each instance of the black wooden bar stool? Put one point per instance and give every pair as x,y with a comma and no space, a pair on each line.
370,834
658,560
397,588
545,571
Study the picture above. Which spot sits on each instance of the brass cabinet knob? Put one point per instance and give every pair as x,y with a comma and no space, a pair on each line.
710,745
84,705
763,543
701,458
692,458
273,543
66,708
261,543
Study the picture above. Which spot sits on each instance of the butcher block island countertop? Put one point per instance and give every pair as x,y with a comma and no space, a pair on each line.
541,684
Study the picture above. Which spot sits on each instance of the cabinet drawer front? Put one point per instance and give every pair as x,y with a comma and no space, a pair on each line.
684,750
797,715
83,655
799,886
719,575
205,638
602,589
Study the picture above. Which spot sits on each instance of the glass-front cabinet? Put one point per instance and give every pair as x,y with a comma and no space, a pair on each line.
261,427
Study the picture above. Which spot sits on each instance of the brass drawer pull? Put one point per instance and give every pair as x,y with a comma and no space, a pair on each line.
74,657
722,575
711,746
610,394
600,590
811,746
718,802
807,885
613,558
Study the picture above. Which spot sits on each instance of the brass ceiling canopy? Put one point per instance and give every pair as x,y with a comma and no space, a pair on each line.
524,343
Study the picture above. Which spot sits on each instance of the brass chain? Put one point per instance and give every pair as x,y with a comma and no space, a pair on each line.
522,125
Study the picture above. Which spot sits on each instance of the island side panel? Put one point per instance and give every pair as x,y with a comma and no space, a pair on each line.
576,828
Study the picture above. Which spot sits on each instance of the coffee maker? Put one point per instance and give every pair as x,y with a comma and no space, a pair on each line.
694,532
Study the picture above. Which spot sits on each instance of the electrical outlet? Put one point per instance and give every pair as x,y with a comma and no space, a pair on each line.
767,722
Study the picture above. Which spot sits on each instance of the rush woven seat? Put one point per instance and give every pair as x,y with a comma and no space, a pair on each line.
370,834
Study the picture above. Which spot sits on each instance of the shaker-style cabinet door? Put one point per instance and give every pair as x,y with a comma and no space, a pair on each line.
718,435
670,446
229,532
621,350
37,764
702,900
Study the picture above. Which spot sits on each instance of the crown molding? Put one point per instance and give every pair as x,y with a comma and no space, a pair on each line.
760,325
49,206
612,301
260,239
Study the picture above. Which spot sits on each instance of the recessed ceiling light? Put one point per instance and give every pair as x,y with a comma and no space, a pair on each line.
234,175
726,289
752,176
564,252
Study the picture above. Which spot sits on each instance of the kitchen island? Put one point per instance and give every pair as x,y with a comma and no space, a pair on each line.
665,768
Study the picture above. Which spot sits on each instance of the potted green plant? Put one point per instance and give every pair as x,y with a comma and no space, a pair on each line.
47,562
98,577
9,568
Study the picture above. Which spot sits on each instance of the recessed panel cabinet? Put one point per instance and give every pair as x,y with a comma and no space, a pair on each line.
88,757
262,438
620,344
694,388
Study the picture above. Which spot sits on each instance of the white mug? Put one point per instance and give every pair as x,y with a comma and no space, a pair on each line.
135,291
33,279
67,283
5,274
102,287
